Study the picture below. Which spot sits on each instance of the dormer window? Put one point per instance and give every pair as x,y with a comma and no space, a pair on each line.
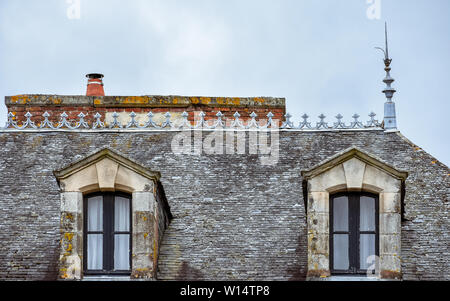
353,203
113,216
353,232
107,235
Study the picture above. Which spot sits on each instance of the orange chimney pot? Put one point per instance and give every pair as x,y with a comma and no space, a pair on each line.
95,85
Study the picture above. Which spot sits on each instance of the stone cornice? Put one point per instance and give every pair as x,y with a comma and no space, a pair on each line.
146,101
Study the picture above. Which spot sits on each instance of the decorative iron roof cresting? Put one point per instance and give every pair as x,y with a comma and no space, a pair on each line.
185,124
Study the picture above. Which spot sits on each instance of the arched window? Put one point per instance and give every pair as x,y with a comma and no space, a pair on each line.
107,235
354,231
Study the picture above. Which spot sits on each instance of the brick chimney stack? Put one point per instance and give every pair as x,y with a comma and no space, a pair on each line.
95,85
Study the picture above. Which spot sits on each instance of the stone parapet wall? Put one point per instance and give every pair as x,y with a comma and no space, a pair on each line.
55,105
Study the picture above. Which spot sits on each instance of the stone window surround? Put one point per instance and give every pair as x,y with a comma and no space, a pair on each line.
353,170
108,171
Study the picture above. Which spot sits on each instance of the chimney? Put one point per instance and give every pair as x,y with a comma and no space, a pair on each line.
95,85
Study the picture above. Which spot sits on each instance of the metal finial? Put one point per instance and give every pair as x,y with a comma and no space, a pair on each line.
388,80
385,35
387,60
390,121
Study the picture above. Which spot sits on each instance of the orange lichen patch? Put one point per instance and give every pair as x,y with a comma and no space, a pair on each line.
154,256
64,273
142,273
236,101
194,100
205,100
228,101
20,99
66,244
259,99
145,235
69,216
68,236
25,99
136,100
56,101
433,162
175,100
97,101
165,101
221,100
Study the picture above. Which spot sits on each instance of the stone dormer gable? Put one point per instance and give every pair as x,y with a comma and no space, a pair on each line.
106,171
350,166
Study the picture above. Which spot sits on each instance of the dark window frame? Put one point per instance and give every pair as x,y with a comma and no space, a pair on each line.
108,233
353,232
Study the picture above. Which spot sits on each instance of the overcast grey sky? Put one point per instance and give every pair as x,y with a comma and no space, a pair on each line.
319,54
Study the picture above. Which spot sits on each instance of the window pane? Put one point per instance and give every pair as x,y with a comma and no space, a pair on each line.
340,252
367,214
340,213
95,213
95,252
121,252
121,214
366,249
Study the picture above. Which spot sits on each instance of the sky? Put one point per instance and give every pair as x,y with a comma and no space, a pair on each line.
318,54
